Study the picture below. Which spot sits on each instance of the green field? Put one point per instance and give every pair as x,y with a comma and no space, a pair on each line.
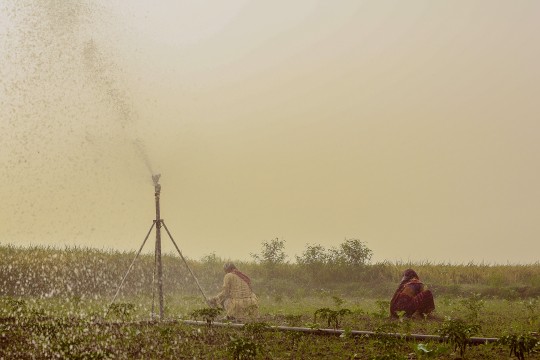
53,304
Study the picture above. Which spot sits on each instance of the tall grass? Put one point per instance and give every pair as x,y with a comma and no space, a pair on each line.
90,273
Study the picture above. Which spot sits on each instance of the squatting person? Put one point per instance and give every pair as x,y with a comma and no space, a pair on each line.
236,297
412,297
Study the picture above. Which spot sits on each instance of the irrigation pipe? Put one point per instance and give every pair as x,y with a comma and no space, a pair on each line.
304,330
338,332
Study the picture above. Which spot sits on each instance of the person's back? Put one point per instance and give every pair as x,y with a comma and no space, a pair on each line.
241,302
411,297
237,288
236,296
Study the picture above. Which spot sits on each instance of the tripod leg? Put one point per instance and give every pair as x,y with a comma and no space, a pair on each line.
154,285
185,262
129,269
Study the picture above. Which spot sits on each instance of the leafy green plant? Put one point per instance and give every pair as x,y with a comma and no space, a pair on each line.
333,317
122,311
387,342
242,349
293,320
207,314
256,329
384,338
383,309
34,312
457,332
295,338
532,306
13,307
401,315
338,301
405,323
519,344
313,325
19,308
474,304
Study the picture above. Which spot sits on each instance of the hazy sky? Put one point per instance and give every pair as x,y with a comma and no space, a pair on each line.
411,125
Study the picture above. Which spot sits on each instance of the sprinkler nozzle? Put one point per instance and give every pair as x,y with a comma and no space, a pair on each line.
155,179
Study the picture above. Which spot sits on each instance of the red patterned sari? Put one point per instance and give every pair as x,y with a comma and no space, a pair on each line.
412,296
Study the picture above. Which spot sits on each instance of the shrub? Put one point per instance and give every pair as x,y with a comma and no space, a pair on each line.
333,317
272,252
241,348
519,344
457,332
353,253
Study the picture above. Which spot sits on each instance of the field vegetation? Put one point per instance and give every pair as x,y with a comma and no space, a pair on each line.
55,303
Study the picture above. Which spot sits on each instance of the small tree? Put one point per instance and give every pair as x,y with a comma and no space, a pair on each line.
352,252
313,255
272,254
323,264
314,260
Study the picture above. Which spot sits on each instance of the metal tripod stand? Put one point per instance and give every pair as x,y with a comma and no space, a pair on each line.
158,223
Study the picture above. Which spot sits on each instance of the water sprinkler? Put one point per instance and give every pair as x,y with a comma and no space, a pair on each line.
155,180
159,266
158,269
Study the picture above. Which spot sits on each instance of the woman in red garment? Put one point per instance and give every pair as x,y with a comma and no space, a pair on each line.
412,297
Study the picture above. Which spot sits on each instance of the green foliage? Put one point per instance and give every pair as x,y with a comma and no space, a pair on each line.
73,283
295,338
62,334
532,307
383,307
405,323
293,320
314,261
520,344
122,311
473,305
256,329
314,255
353,253
333,317
242,348
347,332
19,309
457,332
338,301
12,307
272,252
346,260
211,258
207,314
386,341
85,273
